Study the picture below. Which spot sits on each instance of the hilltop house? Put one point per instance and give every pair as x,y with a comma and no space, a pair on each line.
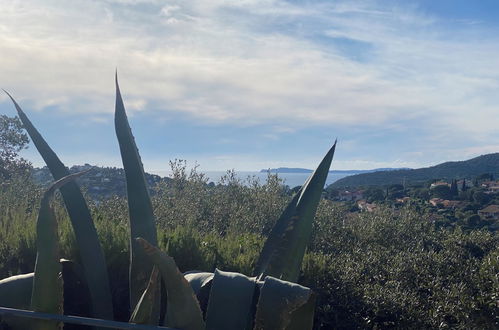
491,187
490,212
448,204
403,200
439,183
350,196
365,206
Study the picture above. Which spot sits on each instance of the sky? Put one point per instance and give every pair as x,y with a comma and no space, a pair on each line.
256,84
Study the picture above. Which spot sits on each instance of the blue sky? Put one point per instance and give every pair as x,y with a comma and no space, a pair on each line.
256,84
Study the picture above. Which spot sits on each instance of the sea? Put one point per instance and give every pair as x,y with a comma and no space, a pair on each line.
290,179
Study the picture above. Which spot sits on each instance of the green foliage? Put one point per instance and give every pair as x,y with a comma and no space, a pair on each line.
369,270
233,206
453,189
485,177
442,192
400,271
481,197
18,212
373,194
12,140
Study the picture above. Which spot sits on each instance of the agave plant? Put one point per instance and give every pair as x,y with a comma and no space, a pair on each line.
194,300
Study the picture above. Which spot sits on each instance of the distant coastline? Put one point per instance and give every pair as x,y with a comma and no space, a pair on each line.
306,170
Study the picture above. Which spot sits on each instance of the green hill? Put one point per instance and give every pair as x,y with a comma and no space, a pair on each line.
449,170
99,182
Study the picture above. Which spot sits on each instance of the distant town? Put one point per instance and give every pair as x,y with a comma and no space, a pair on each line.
468,202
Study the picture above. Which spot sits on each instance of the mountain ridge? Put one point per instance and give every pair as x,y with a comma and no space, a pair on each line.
306,170
488,163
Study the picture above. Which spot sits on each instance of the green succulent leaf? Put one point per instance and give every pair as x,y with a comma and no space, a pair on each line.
15,291
92,256
231,301
142,223
47,293
182,308
200,283
283,252
284,306
198,280
147,309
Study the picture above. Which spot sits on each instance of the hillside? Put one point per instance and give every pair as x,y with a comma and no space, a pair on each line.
449,170
100,182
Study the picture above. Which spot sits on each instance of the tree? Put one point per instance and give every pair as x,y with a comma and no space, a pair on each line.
453,189
395,191
463,187
442,192
12,140
373,194
421,193
485,177
480,197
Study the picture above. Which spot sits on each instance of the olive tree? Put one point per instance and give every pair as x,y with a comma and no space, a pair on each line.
13,139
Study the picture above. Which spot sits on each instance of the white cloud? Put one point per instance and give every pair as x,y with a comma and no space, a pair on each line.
252,61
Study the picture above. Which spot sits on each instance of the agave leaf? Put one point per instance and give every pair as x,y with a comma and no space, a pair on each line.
283,252
92,257
198,279
231,300
284,306
200,283
303,317
142,223
47,294
15,292
182,308
147,310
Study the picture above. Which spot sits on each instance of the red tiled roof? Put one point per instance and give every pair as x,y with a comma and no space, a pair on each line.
490,209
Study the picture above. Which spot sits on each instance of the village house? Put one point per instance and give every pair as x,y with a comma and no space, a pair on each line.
350,196
490,212
439,183
403,200
448,204
435,201
365,206
491,187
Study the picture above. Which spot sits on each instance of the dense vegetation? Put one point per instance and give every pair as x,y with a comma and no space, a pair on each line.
370,270
449,170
